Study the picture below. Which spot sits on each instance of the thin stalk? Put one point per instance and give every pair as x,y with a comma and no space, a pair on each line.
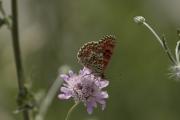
154,33
177,51
20,76
178,34
162,42
1,9
167,50
48,99
70,111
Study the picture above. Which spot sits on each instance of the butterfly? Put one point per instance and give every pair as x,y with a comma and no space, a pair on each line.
96,55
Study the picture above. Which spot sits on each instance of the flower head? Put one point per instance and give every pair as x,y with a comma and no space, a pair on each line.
175,69
139,19
84,87
175,72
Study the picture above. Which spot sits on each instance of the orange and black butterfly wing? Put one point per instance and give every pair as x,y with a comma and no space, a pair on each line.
96,55
107,44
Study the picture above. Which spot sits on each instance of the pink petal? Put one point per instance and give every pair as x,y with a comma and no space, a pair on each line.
65,90
103,84
104,94
101,101
103,106
63,96
64,77
89,109
93,103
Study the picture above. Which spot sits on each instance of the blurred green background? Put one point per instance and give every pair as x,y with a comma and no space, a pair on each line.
51,32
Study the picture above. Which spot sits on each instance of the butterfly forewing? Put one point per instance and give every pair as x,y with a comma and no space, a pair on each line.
107,44
96,55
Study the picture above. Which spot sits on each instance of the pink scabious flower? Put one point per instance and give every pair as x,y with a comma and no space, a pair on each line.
84,87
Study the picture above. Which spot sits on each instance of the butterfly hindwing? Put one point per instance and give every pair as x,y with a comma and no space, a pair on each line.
107,44
96,55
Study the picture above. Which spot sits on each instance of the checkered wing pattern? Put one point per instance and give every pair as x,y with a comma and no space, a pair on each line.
96,55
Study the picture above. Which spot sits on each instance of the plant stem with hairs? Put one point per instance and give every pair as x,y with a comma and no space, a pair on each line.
141,20
20,74
175,59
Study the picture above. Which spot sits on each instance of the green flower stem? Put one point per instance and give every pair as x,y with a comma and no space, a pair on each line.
48,99
70,111
141,20
178,34
20,73
168,52
162,42
1,9
177,52
154,33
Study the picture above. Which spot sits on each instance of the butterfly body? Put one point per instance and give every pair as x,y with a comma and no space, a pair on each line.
96,55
